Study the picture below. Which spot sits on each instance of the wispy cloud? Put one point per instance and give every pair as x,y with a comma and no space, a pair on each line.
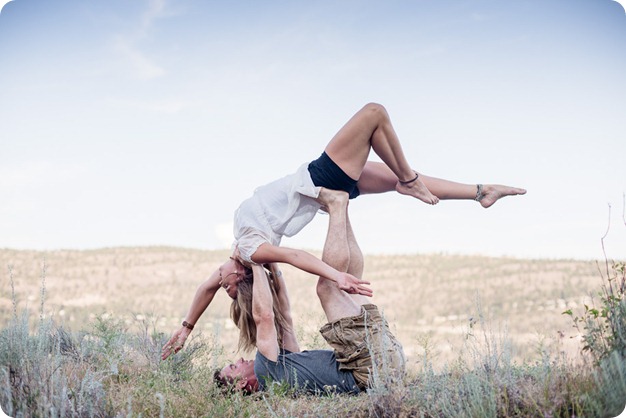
143,67
127,45
170,106
224,234
479,17
156,9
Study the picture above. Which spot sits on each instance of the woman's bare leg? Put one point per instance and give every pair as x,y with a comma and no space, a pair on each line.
378,178
370,128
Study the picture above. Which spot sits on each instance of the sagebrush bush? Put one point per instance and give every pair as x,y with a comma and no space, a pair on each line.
110,370
47,373
603,327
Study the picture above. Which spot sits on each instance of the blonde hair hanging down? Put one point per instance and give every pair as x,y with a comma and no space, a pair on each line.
241,310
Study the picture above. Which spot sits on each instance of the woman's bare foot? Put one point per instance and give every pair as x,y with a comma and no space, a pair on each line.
417,189
492,192
330,199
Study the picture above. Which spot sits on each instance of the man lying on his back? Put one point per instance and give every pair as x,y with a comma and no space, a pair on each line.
361,340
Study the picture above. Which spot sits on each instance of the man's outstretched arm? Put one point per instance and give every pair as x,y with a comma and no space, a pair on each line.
289,340
263,314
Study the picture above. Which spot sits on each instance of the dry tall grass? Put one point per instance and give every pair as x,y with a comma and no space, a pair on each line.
484,337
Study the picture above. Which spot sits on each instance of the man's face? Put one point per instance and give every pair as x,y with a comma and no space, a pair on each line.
241,374
231,273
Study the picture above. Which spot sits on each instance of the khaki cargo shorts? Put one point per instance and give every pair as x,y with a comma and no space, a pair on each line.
365,346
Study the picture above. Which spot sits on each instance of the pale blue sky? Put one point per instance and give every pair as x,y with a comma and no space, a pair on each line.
148,122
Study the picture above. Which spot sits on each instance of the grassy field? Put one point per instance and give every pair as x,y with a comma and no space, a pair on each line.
458,318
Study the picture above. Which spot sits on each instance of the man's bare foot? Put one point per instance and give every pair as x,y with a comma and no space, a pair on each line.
417,189
330,199
492,192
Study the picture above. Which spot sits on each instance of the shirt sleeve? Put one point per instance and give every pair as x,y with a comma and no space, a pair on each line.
249,242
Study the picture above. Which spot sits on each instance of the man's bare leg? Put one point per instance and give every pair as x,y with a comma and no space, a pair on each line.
378,178
356,261
336,303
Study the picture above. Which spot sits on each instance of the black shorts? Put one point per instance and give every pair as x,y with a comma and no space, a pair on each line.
325,173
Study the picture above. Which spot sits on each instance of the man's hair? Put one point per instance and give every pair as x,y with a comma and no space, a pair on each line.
241,312
219,380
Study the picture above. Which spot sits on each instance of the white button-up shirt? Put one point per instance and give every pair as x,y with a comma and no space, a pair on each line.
280,208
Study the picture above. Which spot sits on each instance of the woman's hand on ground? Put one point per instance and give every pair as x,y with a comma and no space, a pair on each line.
176,343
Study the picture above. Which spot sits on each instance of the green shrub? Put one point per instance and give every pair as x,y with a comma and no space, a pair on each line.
603,328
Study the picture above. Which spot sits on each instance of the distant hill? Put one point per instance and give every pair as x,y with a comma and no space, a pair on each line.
430,299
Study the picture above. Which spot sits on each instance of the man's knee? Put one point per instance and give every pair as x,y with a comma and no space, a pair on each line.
325,287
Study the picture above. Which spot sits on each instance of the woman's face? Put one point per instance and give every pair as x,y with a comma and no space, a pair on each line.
231,273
